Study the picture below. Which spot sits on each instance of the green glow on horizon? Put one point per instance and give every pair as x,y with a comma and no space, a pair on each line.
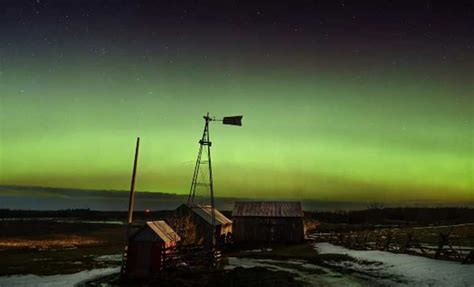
319,135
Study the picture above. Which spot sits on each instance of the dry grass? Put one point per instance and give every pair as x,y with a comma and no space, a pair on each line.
60,242
310,225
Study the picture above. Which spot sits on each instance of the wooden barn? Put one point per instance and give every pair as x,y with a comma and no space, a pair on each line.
268,222
201,217
147,249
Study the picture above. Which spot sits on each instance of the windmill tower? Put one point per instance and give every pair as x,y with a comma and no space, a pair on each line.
201,180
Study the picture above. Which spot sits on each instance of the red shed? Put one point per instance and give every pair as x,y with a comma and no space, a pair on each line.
148,247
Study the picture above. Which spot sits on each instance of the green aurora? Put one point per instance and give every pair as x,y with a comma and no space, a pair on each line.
336,106
305,135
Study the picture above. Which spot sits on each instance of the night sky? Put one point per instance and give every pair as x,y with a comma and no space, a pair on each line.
342,100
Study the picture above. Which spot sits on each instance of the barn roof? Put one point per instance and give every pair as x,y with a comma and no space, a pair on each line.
205,212
268,209
163,230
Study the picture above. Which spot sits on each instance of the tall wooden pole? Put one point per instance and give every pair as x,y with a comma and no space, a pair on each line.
131,202
131,198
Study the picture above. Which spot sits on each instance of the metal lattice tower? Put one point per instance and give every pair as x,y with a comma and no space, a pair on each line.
205,146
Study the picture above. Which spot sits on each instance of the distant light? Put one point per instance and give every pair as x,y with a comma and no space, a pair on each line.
234,121
147,210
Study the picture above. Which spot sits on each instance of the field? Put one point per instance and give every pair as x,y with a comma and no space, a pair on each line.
48,247
53,247
87,252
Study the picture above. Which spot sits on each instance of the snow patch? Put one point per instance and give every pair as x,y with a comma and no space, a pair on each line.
418,271
110,257
55,280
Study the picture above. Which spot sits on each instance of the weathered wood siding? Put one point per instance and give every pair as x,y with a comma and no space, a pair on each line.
147,249
144,259
268,229
203,229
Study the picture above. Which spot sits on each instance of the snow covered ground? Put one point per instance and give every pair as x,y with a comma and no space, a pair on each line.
410,270
55,280
110,257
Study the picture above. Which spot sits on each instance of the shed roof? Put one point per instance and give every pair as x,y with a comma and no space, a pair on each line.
268,209
205,212
163,230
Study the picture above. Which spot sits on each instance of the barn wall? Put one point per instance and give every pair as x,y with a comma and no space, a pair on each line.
157,257
145,253
268,229
144,259
203,229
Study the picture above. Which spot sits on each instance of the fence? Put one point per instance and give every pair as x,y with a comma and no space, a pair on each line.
439,245
192,256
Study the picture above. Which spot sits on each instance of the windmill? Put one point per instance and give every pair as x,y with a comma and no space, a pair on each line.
205,147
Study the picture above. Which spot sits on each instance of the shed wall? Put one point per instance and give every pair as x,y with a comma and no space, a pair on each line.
268,229
202,228
144,259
